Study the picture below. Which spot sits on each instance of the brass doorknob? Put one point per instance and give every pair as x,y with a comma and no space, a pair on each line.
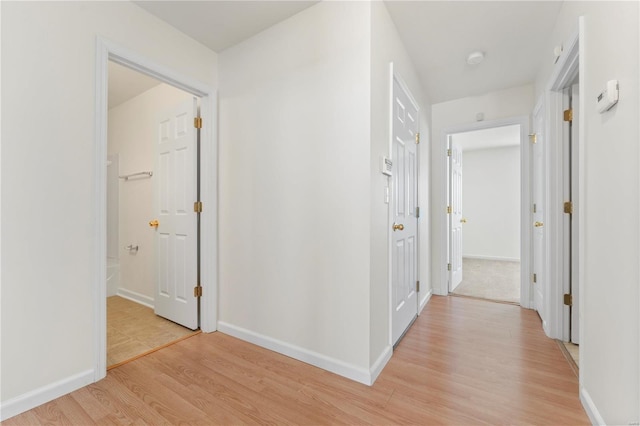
154,224
463,220
398,227
538,224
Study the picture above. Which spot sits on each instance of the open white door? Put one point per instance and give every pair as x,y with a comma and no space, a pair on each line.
175,182
575,305
404,252
455,217
538,199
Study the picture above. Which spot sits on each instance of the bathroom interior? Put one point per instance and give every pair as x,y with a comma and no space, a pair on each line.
135,103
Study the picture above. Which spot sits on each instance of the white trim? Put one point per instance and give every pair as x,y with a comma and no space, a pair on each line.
590,408
135,297
482,257
44,394
316,359
390,213
441,286
582,137
380,363
425,300
107,50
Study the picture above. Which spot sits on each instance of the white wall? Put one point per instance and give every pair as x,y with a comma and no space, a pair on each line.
491,203
610,323
132,134
307,274
294,185
386,47
514,102
48,212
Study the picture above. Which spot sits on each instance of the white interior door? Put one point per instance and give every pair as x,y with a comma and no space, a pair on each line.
575,294
538,199
455,201
404,255
176,232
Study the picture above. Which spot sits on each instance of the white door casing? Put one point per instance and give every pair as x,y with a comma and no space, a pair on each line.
455,202
575,294
404,240
538,200
176,234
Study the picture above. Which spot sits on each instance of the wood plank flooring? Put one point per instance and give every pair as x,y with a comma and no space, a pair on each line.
463,362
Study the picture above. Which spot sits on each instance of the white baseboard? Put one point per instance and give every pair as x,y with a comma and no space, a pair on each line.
424,301
590,408
136,297
481,257
380,363
34,398
316,359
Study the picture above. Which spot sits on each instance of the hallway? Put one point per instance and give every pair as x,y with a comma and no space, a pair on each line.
464,361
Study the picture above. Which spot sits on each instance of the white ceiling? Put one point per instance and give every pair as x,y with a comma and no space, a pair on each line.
219,24
438,35
124,84
497,137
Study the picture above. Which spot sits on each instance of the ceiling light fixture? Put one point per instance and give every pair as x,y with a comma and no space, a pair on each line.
475,58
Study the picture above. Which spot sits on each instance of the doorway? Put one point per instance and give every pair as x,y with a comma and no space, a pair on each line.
205,285
453,219
151,232
484,199
404,209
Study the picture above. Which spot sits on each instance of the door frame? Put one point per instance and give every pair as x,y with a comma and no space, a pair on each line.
394,75
569,66
107,50
525,201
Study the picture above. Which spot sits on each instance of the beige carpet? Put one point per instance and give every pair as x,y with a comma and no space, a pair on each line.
490,279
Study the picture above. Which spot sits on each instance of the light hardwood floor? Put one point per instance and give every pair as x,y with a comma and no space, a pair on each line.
463,362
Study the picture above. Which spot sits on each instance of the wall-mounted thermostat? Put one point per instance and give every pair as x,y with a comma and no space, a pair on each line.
609,97
386,166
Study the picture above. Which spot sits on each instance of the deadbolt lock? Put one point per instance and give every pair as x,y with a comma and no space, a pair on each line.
538,224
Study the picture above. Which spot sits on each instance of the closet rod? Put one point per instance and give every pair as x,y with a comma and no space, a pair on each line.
126,177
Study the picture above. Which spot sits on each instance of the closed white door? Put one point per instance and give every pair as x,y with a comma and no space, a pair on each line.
455,217
538,195
176,232
404,255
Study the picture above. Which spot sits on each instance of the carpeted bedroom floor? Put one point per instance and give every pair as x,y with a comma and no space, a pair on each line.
490,279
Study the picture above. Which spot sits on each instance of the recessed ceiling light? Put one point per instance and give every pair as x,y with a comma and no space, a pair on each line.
475,58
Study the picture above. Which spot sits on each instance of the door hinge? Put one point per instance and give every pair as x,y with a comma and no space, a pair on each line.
417,138
449,209
197,207
568,207
535,278
535,208
568,300
568,115
448,153
417,212
197,122
533,138
448,266
418,286
197,291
